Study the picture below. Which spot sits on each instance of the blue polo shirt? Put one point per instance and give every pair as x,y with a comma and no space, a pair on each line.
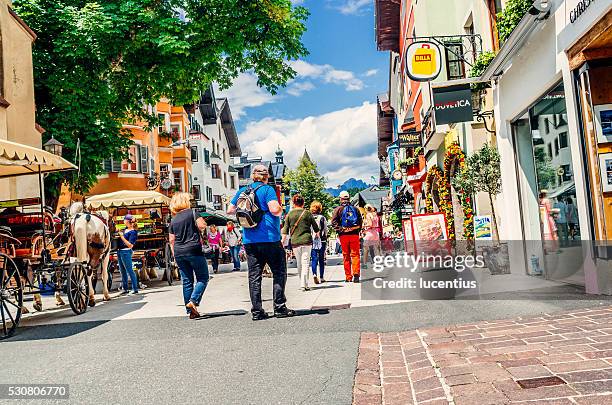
268,229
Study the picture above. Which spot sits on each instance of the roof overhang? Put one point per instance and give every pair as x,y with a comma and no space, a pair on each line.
227,122
388,14
511,46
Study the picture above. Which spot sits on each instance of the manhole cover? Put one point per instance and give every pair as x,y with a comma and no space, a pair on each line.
540,382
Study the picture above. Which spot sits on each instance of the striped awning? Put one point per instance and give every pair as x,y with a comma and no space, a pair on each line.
17,160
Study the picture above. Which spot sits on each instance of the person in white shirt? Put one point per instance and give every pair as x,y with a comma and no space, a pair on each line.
233,238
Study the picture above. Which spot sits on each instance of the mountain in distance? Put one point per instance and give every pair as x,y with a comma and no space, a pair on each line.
350,184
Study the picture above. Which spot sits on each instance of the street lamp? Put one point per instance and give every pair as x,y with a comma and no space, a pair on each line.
54,146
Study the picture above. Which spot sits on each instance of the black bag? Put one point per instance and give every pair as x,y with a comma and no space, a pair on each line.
248,212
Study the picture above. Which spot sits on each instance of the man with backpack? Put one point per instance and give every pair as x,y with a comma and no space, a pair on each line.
347,221
258,212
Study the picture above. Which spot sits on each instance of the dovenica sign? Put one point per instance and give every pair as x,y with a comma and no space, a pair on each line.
453,104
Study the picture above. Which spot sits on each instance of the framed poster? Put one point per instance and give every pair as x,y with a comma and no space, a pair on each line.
605,167
483,229
407,231
429,227
603,122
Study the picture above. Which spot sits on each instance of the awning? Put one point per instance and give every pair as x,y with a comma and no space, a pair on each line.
213,218
19,160
126,198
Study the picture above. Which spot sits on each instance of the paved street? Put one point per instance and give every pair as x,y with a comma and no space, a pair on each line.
142,349
563,358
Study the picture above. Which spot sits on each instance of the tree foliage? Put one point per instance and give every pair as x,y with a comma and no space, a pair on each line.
546,173
98,64
481,173
508,19
306,180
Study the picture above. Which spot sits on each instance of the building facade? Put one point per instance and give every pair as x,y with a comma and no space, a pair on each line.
17,107
159,159
214,144
552,83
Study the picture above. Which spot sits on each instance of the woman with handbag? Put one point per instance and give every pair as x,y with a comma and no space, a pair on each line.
299,225
216,243
185,235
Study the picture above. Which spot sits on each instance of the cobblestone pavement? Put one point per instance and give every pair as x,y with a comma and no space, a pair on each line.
550,359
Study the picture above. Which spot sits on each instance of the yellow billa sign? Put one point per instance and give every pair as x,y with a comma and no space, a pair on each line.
423,61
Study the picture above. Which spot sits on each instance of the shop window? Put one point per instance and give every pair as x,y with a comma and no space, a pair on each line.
455,68
196,192
194,153
563,140
546,185
131,164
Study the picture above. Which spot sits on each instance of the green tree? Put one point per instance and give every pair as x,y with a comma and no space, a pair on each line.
306,180
98,64
484,165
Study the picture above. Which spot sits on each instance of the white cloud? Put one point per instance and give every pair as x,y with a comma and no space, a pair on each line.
343,142
245,93
328,74
354,6
371,72
297,88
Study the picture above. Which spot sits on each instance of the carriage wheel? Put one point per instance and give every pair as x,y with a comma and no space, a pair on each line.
11,296
169,259
78,288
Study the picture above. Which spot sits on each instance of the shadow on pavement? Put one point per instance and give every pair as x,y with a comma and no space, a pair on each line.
210,315
324,287
304,312
53,331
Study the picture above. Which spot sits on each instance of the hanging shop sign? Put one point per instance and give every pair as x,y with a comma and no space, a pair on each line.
410,139
453,104
397,174
423,61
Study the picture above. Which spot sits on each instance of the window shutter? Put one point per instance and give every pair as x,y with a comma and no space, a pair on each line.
107,165
206,156
115,166
144,159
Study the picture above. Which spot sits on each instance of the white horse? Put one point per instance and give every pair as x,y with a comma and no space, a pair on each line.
92,242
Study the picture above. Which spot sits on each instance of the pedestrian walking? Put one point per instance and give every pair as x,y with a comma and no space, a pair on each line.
185,235
234,242
319,245
125,245
371,236
216,244
347,221
258,211
572,218
299,226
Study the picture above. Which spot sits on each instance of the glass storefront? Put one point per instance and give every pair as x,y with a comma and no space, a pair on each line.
546,185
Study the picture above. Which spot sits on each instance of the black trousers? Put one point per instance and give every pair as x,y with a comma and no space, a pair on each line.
272,254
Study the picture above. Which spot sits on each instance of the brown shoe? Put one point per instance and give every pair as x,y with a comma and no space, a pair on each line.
316,280
194,310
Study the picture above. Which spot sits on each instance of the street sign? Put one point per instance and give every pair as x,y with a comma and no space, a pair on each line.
410,139
453,104
423,61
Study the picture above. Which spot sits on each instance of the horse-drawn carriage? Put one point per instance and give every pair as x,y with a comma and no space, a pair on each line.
36,248
151,212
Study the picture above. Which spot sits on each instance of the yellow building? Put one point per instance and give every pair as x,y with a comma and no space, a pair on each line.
17,108
158,160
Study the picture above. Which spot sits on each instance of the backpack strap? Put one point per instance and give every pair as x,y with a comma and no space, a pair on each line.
298,221
254,191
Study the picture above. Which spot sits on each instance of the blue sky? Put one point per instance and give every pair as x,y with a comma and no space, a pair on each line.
330,106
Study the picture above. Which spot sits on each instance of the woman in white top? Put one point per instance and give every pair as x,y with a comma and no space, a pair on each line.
233,237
